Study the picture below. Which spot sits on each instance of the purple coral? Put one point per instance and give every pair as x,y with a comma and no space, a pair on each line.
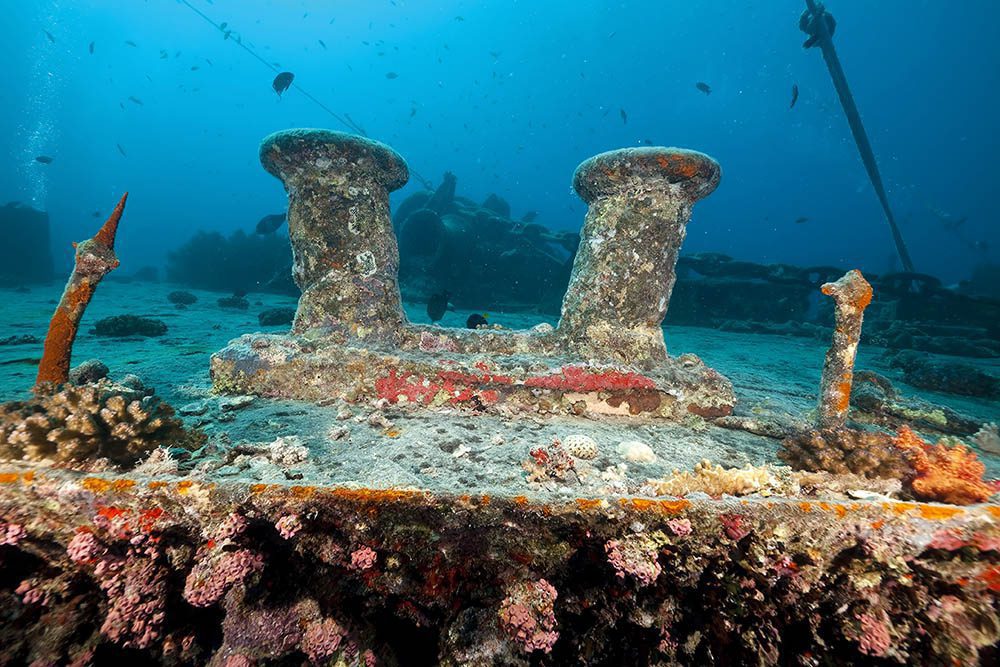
216,571
234,524
363,558
84,548
32,593
288,525
322,639
527,615
680,527
636,556
11,533
875,638
137,602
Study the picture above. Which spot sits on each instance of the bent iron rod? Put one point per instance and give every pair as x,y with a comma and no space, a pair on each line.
825,43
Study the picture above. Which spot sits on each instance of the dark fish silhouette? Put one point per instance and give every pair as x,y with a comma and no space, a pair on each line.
91,48
44,159
391,75
621,112
130,42
282,82
121,150
529,216
49,35
437,305
799,221
134,100
270,223
322,43
795,95
703,87
475,321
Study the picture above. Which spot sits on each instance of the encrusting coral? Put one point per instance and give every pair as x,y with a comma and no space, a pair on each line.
90,422
718,481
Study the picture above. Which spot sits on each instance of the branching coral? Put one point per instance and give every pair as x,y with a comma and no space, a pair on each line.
867,453
90,422
944,474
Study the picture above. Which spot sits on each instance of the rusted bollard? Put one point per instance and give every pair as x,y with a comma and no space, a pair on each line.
345,257
640,202
851,295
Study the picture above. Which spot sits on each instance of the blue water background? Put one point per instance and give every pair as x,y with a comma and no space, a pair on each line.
517,121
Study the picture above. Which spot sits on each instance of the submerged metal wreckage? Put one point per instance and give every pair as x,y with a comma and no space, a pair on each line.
351,339
164,566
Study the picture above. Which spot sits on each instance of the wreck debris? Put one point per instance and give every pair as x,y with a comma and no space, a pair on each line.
345,258
95,258
851,295
639,202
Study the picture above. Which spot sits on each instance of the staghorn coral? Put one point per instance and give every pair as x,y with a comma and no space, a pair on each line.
944,474
717,481
866,453
90,422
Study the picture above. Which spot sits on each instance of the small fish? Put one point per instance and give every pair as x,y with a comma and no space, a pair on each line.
121,150
270,223
437,305
122,105
131,43
135,100
459,18
44,159
799,221
391,75
163,54
95,214
529,216
475,321
322,43
194,68
222,26
703,87
49,35
91,48
282,82
648,142
621,112
413,112
795,95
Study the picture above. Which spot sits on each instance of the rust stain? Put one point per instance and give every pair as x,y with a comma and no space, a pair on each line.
122,485
95,484
302,491
588,503
520,500
674,506
184,486
806,507
28,476
153,486
374,495
8,477
840,510
936,513
257,489
878,524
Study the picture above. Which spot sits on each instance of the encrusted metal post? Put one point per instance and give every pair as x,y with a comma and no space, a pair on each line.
851,295
345,257
640,202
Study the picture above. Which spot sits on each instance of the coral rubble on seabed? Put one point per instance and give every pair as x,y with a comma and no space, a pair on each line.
182,572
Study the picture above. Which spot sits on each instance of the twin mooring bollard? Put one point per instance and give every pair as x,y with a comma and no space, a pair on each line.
351,339
346,258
